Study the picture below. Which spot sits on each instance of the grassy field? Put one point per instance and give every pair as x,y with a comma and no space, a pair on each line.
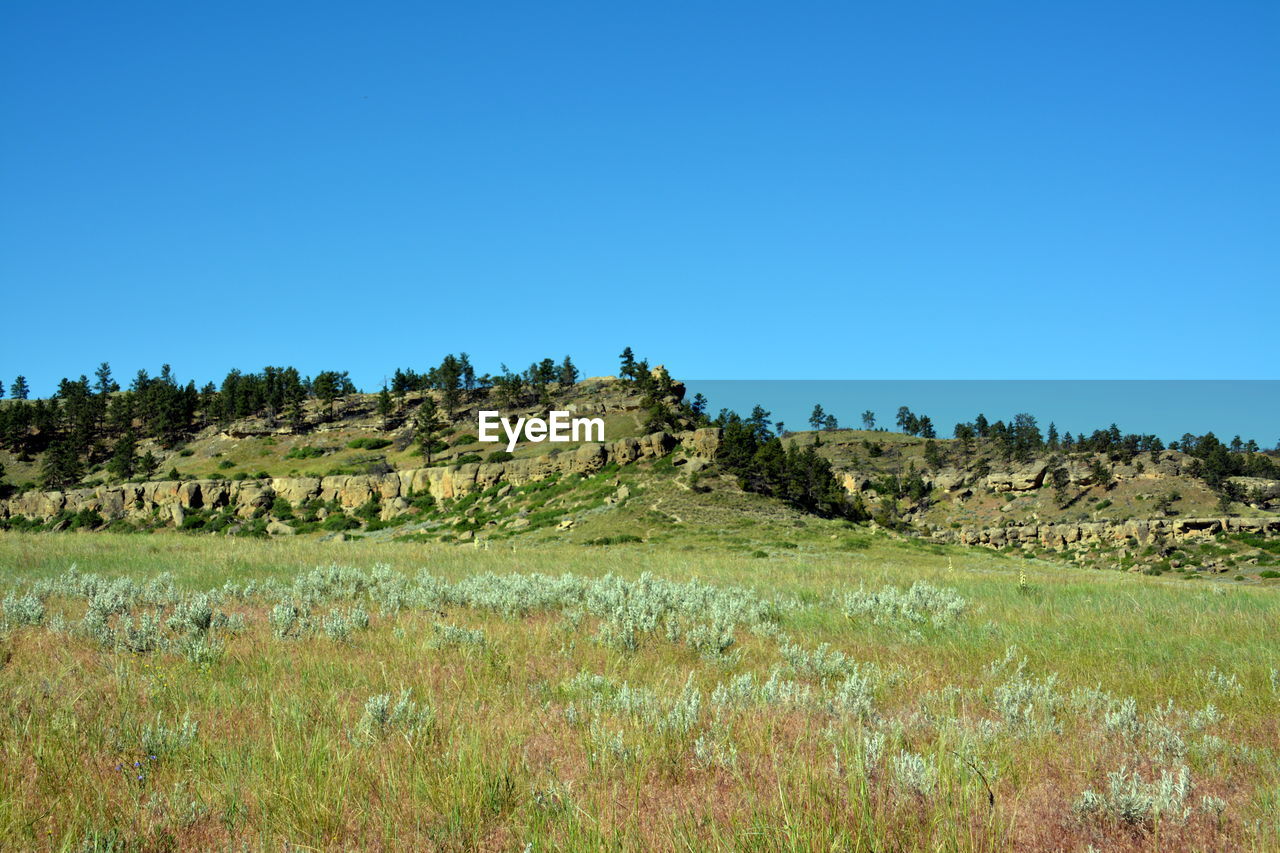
196,693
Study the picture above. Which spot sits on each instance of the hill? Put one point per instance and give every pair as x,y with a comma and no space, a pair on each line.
347,464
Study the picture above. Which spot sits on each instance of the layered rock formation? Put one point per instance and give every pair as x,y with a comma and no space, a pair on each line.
247,497
1139,531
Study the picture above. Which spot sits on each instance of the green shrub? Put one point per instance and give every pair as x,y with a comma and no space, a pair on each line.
467,458
1269,573
281,508
1102,504
225,464
370,443
620,539
256,529
186,451
194,520
500,456
87,519
370,509
338,522
465,438
304,452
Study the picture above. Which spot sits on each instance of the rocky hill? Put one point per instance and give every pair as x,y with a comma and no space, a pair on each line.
357,471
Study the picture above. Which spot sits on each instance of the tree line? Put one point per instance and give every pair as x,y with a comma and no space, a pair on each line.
87,422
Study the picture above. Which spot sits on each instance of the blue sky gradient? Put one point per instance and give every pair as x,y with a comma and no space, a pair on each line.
742,191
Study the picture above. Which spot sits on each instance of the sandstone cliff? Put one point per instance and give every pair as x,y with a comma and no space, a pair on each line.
247,497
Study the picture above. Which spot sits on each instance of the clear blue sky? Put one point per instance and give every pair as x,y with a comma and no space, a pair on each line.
745,190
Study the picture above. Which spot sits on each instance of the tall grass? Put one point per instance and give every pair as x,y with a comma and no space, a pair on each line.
628,698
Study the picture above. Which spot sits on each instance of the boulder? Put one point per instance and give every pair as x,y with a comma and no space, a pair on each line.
296,490
279,528
704,443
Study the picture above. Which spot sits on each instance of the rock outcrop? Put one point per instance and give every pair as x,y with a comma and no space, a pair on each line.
247,498
1139,531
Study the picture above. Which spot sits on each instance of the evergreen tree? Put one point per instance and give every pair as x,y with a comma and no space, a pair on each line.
385,406
509,387
868,420
1061,479
1052,438
627,368
297,414
428,426
924,427
932,454
449,381
1024,437
327,387
147,465
759,423
981,426
124,459
818,418
19,390
61,465
906,421
568,373
105,383
469,372
830,423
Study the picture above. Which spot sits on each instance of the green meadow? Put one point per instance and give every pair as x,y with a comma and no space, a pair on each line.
171,692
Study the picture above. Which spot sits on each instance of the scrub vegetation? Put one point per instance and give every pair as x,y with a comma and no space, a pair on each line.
177,692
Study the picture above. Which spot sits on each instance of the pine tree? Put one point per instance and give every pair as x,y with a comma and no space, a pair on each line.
19,390
105,384
818,417
468,372
384,405
906,421
627,369
327,388
449,381
297,414
427,427
568,373
868,420
830,423
147,465
61,465
124,459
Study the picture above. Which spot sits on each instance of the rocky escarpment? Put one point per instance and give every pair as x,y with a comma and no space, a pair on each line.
1080,471
393,491
1134,531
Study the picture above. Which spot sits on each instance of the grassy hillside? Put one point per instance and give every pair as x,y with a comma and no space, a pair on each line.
702,697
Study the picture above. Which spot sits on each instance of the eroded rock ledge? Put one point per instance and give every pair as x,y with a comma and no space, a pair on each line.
247,497
1140,531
